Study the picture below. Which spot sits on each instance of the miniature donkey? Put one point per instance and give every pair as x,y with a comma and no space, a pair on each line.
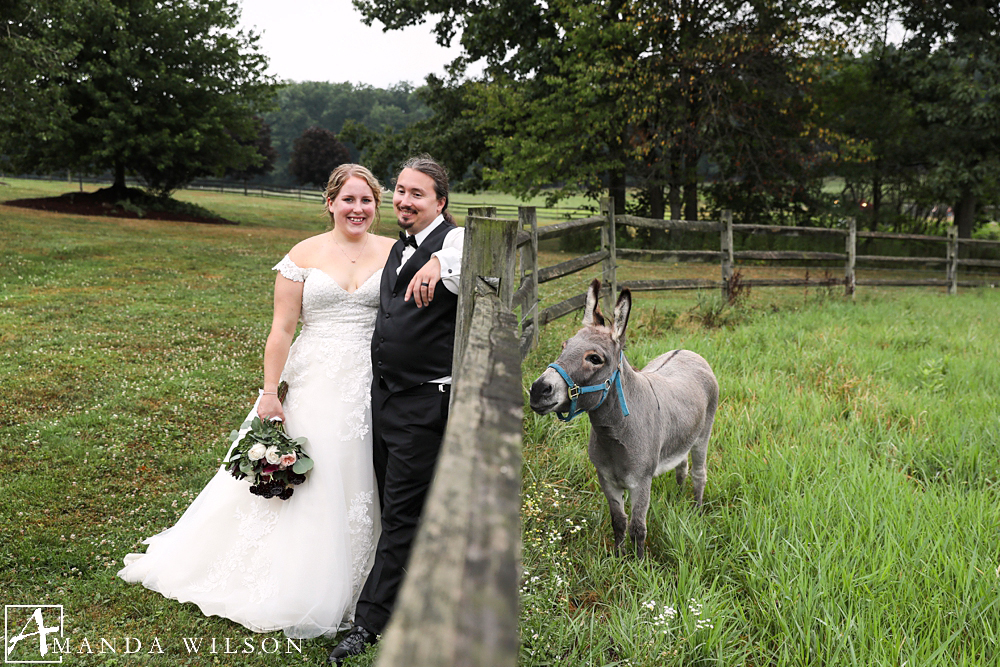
643,423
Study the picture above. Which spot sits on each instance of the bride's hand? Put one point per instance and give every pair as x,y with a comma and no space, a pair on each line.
270,408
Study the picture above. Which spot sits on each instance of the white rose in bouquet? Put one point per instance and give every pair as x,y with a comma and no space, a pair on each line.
272,455
256,452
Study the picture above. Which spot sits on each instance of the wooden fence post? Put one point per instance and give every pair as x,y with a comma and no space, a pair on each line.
527,215
487,259
727,253
953,260
458,606
609,244
852,250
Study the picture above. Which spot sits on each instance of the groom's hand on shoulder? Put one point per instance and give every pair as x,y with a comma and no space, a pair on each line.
421,288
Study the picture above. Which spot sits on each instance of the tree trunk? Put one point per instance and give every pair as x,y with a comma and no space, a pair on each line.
118,187
616,189
654,193
675,184
876,203
965,214
691,186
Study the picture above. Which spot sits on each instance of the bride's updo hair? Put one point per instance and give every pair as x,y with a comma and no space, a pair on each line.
344,173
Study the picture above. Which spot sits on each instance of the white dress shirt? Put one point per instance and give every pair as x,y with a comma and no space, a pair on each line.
450,254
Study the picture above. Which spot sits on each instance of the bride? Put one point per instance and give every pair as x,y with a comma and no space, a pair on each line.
297,565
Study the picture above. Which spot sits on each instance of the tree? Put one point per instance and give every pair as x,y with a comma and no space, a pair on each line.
315,154
589,94
163,89
951,65
261,143
871,138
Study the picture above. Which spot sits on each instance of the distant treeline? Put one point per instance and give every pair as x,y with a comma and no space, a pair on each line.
329,105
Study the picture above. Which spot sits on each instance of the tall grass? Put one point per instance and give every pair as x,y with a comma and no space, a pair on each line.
852,510
852,505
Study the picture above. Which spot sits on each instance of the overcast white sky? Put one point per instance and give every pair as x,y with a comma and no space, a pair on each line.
325,40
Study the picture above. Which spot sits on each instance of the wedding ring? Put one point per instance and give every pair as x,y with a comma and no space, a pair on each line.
425,284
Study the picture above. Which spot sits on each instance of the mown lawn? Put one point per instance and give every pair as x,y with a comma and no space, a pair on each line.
852,504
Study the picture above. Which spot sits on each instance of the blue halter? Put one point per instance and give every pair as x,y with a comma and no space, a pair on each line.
604,388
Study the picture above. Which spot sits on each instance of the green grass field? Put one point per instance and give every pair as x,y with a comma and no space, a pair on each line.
853,510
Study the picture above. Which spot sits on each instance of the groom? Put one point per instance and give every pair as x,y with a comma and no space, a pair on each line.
411,363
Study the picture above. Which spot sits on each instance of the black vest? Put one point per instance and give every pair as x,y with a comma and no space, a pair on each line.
413,345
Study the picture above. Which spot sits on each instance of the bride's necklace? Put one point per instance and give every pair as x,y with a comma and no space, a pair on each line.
355,260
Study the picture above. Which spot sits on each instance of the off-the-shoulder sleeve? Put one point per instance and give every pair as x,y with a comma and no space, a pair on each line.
291,270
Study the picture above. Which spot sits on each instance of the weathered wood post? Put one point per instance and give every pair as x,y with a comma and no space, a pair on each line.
953,260
480,222
609,244
727,253
488,257
852,249
458,606
527,216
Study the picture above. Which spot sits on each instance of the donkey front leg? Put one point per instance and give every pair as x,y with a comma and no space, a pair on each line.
639,500
616,505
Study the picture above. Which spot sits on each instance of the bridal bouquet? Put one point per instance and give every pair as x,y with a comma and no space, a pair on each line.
273,461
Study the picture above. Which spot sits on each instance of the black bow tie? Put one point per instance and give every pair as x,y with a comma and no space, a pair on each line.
408,240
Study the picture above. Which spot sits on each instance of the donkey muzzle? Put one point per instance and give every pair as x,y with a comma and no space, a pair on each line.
548,393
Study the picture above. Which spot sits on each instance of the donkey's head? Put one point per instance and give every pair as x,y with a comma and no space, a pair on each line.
582,376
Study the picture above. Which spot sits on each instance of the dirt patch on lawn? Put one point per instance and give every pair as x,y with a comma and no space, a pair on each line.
135,204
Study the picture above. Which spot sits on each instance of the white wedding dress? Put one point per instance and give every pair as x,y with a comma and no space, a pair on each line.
296,565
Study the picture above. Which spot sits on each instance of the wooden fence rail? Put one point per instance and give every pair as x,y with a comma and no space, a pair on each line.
533,316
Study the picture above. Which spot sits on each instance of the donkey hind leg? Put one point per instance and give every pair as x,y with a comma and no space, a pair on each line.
699,471
639,501
616,505
681,471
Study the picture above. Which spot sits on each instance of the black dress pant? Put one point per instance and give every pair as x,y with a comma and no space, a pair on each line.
407,429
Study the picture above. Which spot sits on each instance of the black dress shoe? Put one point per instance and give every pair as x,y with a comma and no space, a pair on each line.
355,643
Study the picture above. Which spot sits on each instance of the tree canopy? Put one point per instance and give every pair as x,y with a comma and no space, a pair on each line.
591,94
163,89
449,131
950,66
765,97
315,154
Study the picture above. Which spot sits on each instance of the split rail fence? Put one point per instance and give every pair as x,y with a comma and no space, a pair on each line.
532,318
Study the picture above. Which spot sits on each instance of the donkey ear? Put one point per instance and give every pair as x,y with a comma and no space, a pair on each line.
592,311
622,310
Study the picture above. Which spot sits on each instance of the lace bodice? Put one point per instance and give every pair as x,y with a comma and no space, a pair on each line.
335,336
